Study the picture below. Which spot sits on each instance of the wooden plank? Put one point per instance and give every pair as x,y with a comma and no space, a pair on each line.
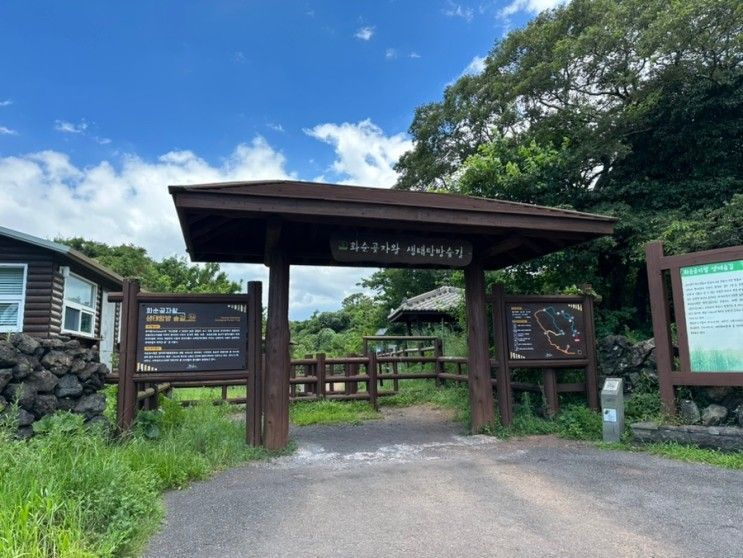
550,392
276,417
592,377
371,385
661,325
478,369
127,392
503,372
321,375
254,395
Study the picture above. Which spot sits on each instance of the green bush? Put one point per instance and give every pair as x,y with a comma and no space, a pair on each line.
579,423
642,407
72,491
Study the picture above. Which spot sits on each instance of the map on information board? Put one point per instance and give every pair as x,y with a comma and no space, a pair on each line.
713,309
546,331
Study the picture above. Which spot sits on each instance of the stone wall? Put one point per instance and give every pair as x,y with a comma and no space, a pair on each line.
42,376
635,363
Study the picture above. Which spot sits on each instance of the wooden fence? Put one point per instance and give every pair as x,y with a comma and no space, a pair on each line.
362,378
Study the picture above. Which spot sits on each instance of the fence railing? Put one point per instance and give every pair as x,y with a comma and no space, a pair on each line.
365,377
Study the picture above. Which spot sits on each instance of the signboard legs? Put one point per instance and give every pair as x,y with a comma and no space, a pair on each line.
127,396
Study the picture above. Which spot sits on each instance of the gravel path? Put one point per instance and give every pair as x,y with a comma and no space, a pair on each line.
414,485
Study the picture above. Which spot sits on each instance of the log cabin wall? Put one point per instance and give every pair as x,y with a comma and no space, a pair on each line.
39,281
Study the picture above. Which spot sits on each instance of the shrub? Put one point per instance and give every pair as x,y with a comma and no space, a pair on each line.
579,423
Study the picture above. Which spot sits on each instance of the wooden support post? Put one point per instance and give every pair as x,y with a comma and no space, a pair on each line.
321,375
592,377
276,423
254,387
661,325
224,393
503,372
371,385
127,395
480,388
438,352
550,392
309,389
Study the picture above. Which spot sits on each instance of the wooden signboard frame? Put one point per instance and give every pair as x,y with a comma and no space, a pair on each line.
552,387
129,378
659,267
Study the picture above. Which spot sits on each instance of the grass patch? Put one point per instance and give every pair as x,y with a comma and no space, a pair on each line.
74,492
304,413
425,392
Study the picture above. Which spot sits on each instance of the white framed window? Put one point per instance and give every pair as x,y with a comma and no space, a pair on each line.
12,296
78,314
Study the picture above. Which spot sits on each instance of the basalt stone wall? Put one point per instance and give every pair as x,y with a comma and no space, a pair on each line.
635,363
41,376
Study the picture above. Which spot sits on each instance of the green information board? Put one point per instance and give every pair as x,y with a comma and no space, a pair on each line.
713,308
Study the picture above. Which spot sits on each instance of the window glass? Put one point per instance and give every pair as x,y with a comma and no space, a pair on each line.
79,291
11,280
9,314
71,319
86,322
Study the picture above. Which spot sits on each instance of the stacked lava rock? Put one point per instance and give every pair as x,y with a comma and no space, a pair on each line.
42,376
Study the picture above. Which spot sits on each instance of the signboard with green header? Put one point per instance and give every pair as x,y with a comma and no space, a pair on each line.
713,307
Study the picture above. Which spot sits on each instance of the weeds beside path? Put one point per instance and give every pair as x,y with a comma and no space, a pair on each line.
72,492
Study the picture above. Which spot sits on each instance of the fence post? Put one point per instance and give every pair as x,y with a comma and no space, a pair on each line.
438,352
550,392
127,393
503,372
371,385
320,375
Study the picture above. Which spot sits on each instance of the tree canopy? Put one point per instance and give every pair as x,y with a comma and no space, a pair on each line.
169,275
632,108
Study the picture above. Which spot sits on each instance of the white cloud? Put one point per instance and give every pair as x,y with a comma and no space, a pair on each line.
275,127
390,54
6,103
458,10
5,131
45,194
475,67
532,6
364,155
414,55
365,33
69,128
239,57
126,201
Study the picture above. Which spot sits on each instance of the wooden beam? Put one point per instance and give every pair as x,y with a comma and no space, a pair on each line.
273,236
127,393
253,407
276,419
478,363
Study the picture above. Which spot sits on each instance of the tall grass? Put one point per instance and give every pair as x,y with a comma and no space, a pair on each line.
74,492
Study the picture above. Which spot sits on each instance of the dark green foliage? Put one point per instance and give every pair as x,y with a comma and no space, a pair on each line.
630,108
170,275
579,423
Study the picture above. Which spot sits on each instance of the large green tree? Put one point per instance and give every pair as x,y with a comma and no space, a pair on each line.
169,275
632,108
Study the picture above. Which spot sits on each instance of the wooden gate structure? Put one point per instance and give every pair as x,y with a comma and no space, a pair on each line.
284,223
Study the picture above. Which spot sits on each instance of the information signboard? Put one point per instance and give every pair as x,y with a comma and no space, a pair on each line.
391,249
545,331
191,336
713,309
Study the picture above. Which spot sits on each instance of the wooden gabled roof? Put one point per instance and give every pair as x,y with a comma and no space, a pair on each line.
235,221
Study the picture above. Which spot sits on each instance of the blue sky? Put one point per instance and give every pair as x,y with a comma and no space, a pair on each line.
102,104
